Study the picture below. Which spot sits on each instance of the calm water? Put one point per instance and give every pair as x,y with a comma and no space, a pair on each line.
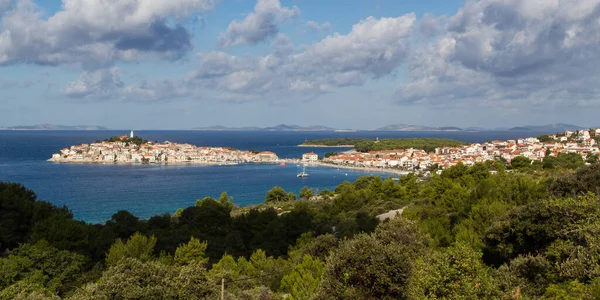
95,192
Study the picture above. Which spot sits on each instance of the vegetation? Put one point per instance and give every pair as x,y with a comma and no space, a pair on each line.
134,140
463,234
334,142
366,145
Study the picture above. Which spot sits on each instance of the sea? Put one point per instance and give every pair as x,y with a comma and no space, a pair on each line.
94,192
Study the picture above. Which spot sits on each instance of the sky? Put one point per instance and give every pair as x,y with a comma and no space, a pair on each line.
360,64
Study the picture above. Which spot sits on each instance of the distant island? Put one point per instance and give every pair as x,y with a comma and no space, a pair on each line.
550,128
554,128
366,145
54,127
406,127
281,127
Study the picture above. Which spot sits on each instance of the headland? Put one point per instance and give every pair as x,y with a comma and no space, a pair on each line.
134,150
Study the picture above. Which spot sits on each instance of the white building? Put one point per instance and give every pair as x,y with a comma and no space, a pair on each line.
310,157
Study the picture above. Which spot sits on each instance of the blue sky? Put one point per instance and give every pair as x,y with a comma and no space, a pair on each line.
181,64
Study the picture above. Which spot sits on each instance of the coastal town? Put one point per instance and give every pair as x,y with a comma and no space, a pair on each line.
123,149
582,142
126,149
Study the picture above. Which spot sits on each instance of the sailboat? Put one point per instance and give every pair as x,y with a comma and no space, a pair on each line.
303,173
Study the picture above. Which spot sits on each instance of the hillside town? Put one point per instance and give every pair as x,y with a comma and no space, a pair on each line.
583,142
123,150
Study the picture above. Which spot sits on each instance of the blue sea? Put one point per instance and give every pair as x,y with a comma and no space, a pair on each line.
95,192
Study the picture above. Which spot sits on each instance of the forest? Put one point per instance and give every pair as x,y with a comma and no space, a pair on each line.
467,233
366,145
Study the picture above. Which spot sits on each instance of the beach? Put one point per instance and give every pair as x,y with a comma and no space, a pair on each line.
365,169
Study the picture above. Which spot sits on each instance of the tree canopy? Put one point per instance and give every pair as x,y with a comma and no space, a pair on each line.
467,233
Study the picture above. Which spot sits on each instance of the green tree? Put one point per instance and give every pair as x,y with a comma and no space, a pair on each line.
545,138
306,193
303,281
592,158
366,268
291,196
520,162
191,283
571,290
276,194
329,154
317,247
584,180
138,246
131,278
526,276
16,211
533,227
453,273
193,251
41,265
27,290
225,200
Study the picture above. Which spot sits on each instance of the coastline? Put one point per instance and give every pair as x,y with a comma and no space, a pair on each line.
151,163
288,160
365,169
326,146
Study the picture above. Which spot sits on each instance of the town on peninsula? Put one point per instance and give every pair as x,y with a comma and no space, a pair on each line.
133,150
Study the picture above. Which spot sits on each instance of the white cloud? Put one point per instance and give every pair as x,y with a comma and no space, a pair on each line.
4,5
95,85
106,84
19,84
282,45
259,25
373,46
510,54
372,49
162,90
316,27
96,33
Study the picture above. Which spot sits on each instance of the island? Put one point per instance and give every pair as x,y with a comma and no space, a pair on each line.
366,145
134,150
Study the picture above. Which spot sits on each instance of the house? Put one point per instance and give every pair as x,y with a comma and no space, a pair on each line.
267,156
310,157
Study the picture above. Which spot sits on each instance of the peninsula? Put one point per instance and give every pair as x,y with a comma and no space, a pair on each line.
365,145
134,150
573,148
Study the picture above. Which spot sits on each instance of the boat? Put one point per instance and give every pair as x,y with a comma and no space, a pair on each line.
303,173
282,164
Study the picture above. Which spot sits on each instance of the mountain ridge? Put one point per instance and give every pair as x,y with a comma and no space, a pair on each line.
55,127
550,128
280,127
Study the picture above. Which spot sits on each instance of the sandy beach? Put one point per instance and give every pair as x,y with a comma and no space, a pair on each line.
364,169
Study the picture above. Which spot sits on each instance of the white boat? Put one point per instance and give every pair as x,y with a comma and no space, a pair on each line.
303,173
